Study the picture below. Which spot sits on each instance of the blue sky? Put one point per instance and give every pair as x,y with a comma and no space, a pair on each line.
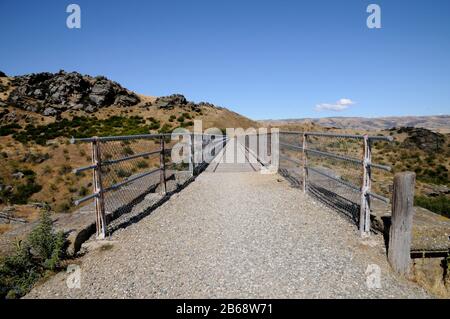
263,59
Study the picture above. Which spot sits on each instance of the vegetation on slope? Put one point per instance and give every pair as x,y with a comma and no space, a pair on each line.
35,257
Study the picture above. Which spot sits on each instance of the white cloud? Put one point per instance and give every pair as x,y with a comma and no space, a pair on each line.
340,105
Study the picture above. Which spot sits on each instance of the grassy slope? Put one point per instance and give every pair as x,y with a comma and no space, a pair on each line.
59,185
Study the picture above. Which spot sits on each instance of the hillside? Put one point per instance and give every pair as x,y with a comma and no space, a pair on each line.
40,112
421,150
439,123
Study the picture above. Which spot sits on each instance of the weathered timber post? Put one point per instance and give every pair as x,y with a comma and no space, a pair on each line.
305,162
98,190
399,250
162,168
191,154
364,214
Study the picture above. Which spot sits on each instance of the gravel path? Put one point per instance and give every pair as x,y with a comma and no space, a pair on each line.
234,235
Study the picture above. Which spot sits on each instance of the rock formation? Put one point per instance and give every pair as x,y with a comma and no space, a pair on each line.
50,94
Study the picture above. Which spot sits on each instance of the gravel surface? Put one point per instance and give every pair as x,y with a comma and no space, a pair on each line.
234,235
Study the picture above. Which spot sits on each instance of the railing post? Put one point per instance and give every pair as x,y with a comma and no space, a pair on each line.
399,250
305,163
162,168
98,190
364,215
191,154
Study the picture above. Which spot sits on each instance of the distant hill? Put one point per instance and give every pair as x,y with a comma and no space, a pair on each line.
439,123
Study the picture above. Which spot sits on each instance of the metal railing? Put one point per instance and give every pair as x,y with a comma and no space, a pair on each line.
336,168
128,168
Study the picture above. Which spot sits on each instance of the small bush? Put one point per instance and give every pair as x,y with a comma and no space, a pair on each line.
83,191
39,253
9,129
123,173
180,119
23,191
154,126
127,150
65,169
142,164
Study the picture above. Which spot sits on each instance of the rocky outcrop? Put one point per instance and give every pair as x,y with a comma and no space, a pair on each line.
423,139
169,102
53,93
2,74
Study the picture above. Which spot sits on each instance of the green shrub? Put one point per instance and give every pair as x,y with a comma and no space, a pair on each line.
439,204
166,128
22,192
154,126
123,173
9,129
82,127
180,119
39,253
142,164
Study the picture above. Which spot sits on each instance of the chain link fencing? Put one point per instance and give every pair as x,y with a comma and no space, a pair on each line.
134,174
337,170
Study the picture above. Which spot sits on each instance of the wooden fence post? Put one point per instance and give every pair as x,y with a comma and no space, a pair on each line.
98,190
305,162
364,215
162,168
191,155
399,250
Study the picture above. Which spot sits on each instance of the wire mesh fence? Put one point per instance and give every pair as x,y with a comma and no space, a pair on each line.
291,157
132,174
337,169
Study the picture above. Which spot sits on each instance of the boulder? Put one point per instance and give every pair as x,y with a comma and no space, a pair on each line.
167,102
423,139
436,190
18,175
49,111
67,91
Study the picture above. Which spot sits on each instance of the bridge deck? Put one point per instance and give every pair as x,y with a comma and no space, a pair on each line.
234,234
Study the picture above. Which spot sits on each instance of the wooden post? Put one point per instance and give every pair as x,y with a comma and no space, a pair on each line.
162,168
305,162
98,189
364,214
399,250
191,155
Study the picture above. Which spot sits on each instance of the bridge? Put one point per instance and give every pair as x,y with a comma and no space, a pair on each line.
229,230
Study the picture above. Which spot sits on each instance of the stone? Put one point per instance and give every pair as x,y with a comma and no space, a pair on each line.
2,74
49,111
435,190
423,139
18,175
168,102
